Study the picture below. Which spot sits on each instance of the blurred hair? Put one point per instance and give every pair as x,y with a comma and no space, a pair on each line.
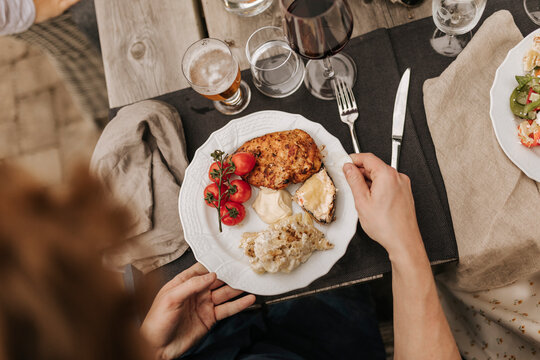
56,300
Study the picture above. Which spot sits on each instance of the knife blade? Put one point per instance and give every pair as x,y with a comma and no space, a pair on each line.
398,121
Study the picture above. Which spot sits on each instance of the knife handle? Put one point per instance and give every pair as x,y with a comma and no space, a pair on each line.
396,147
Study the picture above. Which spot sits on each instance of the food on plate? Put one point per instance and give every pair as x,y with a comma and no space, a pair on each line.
529,133
243,163
232,213
222,189
531,60
317,196
525,99
212,195
282,158
284,245
239,191
215,168
532,57
272,205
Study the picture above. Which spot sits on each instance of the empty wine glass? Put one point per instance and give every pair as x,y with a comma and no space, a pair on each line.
454,20
532,8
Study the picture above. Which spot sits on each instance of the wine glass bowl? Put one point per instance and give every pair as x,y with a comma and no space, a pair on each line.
454,20
318,31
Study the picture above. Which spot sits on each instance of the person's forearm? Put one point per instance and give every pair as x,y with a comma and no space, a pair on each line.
421,330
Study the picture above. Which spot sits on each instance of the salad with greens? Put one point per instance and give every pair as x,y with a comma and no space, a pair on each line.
525,99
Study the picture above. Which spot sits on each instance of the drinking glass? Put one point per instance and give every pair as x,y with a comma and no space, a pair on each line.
277,70
247,7
318,30
408,3
454,20
532,8
211,69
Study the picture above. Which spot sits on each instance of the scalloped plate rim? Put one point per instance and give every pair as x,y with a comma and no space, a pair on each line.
512,151
189,236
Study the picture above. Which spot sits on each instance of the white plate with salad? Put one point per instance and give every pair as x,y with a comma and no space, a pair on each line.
515,105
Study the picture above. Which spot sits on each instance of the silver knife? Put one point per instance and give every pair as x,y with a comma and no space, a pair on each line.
398,122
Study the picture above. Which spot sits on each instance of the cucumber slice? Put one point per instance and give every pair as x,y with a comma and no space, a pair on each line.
521,97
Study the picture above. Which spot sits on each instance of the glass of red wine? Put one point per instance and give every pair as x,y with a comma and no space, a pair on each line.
318,30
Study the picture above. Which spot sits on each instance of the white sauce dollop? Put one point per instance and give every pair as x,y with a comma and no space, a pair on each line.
272,205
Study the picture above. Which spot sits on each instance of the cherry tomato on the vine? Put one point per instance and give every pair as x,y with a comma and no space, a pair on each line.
240,191
232,213
211,195
213,172
244,163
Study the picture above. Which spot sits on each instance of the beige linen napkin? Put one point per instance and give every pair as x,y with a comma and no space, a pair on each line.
141,157
495,207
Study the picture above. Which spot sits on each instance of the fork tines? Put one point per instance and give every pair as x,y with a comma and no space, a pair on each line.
344,96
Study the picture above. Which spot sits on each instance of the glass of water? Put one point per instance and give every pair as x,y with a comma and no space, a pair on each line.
454,20
277,70
247,7
532,8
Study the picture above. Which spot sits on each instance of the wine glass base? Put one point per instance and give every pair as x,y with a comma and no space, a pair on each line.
449,45
321,87
532,8
237,107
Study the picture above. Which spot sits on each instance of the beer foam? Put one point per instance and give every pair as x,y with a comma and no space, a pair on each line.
212,71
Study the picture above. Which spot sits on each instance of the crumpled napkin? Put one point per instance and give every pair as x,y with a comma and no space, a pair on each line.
141,158
494,206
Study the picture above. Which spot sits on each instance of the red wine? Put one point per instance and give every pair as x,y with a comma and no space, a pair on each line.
318,29
309,8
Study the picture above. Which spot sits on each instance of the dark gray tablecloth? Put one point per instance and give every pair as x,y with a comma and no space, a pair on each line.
381,56
83,14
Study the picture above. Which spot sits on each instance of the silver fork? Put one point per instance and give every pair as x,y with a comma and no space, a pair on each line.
348,111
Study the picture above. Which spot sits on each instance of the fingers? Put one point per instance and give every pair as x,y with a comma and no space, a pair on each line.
223,294
369,162
191,287
355,178
216,284
233,307
195,270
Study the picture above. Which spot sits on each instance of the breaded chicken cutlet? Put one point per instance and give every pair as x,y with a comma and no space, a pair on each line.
282,158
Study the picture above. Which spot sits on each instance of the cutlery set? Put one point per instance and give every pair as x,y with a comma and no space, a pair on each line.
348,112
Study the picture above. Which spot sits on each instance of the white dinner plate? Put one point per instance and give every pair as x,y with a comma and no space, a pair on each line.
220,252
504,122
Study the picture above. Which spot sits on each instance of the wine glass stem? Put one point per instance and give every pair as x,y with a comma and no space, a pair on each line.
328,69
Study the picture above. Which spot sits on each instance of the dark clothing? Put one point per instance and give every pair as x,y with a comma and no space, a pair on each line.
339,324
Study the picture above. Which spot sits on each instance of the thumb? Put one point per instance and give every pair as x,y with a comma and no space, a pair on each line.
191,287
356,181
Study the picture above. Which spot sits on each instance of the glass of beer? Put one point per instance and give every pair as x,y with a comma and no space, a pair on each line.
211,69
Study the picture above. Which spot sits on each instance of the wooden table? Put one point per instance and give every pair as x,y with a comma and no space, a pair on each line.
143,41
